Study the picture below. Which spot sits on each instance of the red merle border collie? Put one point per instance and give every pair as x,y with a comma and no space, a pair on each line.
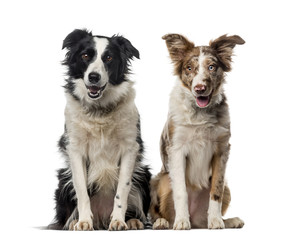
104,184
190,191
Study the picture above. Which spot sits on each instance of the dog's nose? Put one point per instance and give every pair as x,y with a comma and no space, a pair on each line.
94,77
200,89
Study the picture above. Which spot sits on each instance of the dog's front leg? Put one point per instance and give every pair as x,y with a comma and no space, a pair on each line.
177,168
219,161
79,178
127,165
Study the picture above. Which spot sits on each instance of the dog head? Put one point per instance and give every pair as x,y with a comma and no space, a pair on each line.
202,69
97,61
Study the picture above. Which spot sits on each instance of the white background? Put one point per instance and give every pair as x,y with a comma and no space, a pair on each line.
32,103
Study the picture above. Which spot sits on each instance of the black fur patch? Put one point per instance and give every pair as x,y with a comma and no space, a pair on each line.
216,197
141,179
64,197
122,51
82,41
139,139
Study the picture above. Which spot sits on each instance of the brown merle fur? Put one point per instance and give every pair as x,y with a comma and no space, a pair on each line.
185,55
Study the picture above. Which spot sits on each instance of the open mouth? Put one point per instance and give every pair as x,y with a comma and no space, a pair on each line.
95,91
203,101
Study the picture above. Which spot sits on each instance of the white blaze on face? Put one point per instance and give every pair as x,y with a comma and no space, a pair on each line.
98,65
198,79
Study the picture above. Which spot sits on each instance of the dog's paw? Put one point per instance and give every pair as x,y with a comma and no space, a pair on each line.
117,225
234,223
161,223
182,224
215,223
72,224
83,225
135,224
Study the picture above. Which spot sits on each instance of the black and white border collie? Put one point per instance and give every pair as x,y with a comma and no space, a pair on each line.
105,184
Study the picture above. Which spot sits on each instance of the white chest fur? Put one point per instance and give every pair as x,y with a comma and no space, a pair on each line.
198,147
101,141
196,133
104,153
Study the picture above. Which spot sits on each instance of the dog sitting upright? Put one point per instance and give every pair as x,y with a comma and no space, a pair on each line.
104,184
190,190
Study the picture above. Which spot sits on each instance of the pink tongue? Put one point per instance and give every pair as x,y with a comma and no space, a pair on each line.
94,89
202,101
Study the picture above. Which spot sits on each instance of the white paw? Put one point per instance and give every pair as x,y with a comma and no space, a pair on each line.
182,224
161,223
117,225
215,223
83,225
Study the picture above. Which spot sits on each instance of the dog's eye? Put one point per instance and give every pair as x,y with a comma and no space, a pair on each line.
211,68
85,57
189,68
108,58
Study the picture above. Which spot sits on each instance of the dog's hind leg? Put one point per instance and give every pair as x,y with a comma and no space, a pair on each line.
139,199
233,222
226,199
135,224
72,221
65,201
161,208
230,222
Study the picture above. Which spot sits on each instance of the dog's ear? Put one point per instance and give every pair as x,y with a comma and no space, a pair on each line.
74,37
126,47
177,46
224,49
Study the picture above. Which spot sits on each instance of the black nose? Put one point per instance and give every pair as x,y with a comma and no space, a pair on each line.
94,77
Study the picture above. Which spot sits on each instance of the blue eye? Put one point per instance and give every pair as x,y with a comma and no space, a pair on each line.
211,68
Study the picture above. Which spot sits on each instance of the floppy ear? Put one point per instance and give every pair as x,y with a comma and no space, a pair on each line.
74,37
126,47
224,49
177,46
